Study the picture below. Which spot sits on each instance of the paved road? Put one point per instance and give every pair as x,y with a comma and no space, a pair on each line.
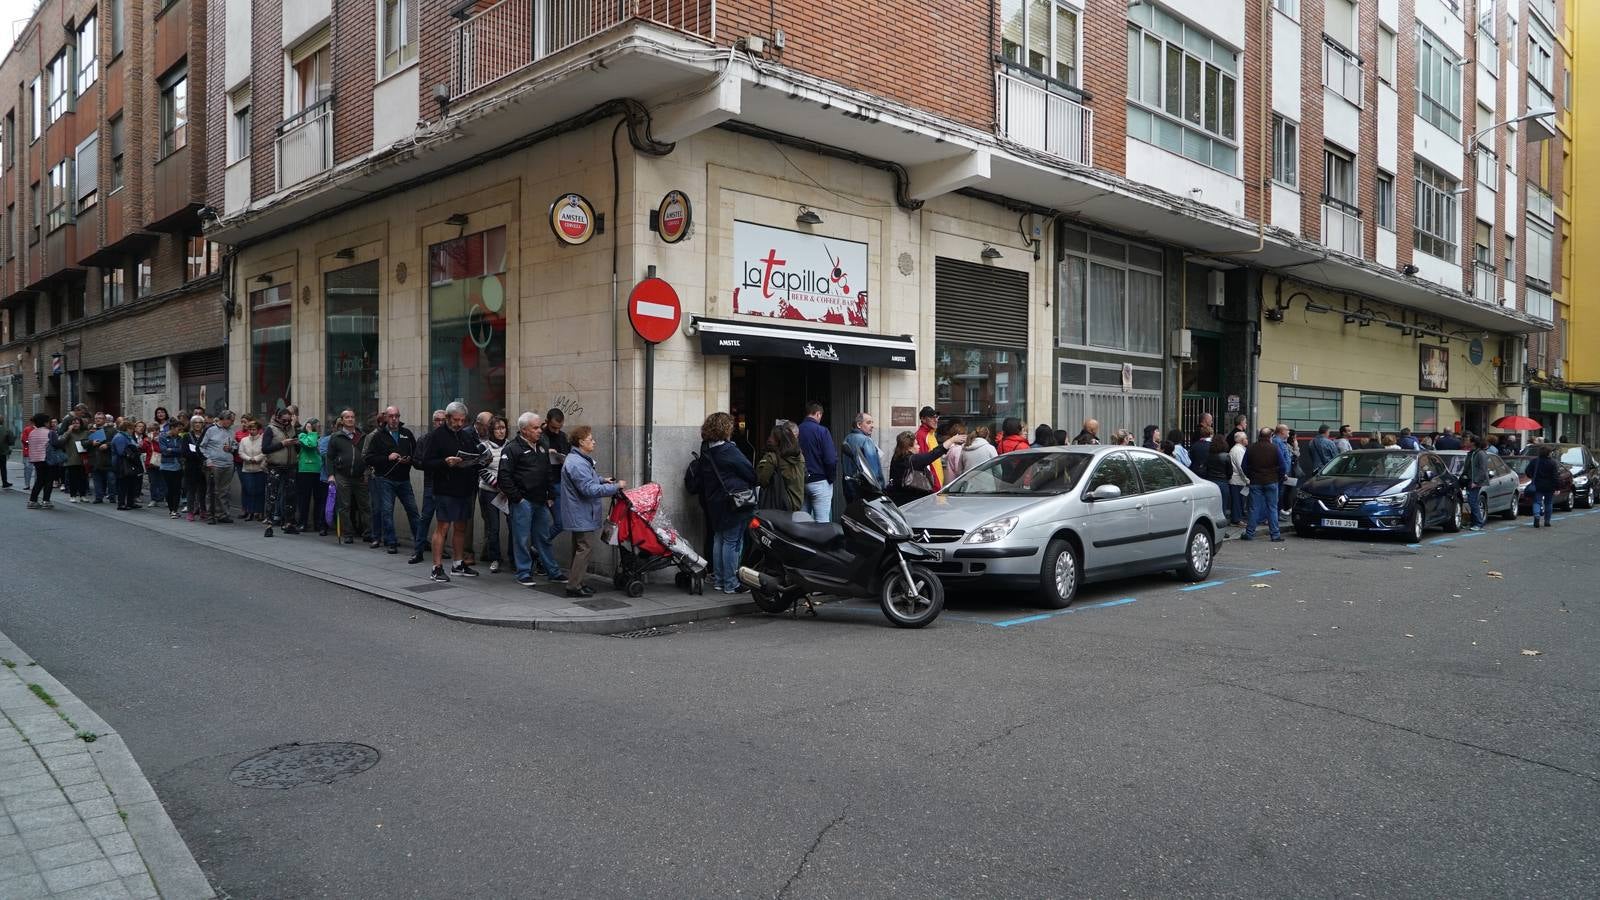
1364,722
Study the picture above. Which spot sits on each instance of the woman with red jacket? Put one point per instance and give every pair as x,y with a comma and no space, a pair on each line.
1011,436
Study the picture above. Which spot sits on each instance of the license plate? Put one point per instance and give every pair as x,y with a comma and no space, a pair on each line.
935,555
1340,523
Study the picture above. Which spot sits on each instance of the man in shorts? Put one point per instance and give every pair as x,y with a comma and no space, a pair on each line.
453,456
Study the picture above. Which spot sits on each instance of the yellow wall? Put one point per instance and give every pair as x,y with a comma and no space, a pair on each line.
1318,350
1583,334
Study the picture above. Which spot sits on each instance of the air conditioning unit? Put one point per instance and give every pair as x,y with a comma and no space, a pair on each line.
1511,360
1216,292
1182,343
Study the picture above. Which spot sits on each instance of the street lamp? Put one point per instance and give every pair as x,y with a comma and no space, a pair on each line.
1538,129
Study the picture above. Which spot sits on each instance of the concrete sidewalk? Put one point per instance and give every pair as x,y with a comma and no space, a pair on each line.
80,819
487,600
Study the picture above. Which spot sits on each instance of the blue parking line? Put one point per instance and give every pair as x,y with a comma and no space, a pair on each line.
1441,540
1211,584
1201,586
1061,612
1508,528
1472,534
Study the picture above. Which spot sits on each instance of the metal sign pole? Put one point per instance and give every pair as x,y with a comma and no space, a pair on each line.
649,409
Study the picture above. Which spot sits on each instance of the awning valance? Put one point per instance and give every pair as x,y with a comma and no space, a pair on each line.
721,337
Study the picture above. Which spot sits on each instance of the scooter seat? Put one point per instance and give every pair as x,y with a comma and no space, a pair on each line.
806,531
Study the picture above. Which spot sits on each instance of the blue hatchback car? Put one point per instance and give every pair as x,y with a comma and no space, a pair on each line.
1384,491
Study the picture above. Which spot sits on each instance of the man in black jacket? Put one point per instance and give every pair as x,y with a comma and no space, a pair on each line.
555,444
452,456
525,479
389,455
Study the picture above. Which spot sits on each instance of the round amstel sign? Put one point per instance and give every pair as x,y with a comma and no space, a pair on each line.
674,216
572,219
654,310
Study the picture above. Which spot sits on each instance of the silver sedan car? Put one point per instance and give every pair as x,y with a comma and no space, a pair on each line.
1052,518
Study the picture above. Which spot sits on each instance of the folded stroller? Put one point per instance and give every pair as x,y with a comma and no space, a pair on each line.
647,542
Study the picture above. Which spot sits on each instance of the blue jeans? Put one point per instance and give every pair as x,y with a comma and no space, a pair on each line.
726,547
384,494
253,492
530,523
819,500
158,486
1475,503
27,474
1263,507
1544,501
554,530
103,484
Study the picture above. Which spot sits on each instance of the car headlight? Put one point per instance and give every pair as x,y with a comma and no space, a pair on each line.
993,531
1398,500
1580,481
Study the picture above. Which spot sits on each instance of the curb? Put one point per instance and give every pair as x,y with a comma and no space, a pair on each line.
167,858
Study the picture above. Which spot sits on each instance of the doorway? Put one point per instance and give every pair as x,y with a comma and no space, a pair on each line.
763,390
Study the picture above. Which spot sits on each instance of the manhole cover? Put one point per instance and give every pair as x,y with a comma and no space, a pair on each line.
291,765
642,633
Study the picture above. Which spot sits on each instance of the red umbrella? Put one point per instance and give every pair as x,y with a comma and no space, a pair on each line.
1516,423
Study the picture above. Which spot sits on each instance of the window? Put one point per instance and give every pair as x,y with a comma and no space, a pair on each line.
1041,35
271,324
143,285
1488,166
1307,409
466,340
113,287
1385,200
88,54
59,203
36,211
1540,305
149,376
1115,469
87,167
1438,83
398,34
351,345
1290,8
1110,294
1488,46
1341,71
200,258
174,112
1435,232
1483,244
1540,250
239,125
36,100
118,28
1511,258
1425,414
1339,176
1380,413
1182,89
1541,57
974,382
1386,55
115,127
58,83
8,142
1285,152
311,76
1339,22
1158,473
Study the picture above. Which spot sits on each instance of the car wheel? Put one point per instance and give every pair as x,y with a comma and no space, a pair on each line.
1199,557
1453,523
1512,510
1567,506
1414,525
1059,575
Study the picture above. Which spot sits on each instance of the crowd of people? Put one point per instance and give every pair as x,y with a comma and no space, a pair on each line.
523,487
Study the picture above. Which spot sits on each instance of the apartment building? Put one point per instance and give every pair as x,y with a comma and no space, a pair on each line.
109,293
1581,364
1069,208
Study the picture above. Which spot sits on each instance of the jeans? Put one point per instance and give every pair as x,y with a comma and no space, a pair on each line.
726,546
819,500
218,480
253,492
41,479
1475,503
158,485
102,485
491,528
553,531
1263,507
384,494
1544,502
529,524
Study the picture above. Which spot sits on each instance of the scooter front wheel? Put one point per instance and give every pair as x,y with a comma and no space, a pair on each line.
911,604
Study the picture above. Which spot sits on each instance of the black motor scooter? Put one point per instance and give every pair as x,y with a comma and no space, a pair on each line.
868,554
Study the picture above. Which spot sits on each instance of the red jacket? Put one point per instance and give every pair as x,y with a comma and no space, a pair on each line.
1010,442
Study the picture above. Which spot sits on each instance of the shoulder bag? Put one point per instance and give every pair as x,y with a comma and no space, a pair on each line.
740,501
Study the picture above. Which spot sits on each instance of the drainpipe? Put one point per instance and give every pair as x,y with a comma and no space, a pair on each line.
616,308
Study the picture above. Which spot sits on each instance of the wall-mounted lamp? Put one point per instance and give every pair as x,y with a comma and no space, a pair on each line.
1408,270
808,216
346,254
457,219
990,252
263,279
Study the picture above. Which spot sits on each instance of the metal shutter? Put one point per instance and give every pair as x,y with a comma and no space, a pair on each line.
207,365
977,304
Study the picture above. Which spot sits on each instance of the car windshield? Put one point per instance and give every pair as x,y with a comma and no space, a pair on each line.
1024,473
1572,456
1454,462
1520,464
1373,465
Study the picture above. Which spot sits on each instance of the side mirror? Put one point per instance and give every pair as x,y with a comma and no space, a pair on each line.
1105,492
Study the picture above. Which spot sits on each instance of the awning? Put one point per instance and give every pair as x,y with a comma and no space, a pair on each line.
720,337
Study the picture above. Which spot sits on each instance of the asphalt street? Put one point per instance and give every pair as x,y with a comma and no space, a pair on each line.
1330,717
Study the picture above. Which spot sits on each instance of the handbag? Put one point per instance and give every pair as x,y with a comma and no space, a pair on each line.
918,479
740,501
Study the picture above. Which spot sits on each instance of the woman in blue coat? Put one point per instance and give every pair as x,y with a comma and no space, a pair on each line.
721,470
582,489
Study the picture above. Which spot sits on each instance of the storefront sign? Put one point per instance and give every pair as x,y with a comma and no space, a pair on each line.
673,217
572,219
1555,401
1434,369
782,274
722,337
1475,352
1582,404
902,416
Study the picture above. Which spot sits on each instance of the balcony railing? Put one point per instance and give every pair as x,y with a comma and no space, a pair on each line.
1540,305
1341,229
1045,121
514,34
1341,72
305,144
1485,282
1541,205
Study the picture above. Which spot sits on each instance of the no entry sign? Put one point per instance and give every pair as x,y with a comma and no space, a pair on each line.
654,310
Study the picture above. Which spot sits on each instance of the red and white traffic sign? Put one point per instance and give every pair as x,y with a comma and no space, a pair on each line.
654,310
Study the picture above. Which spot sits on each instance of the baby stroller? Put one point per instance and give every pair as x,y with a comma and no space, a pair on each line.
647,542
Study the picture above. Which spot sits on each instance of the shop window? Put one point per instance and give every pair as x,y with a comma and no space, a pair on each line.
467,322
974,383
1307,409
1425,415
351,306
271,327
1380,413
1110,294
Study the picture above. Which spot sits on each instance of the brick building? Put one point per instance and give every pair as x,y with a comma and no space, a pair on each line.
1073,207
109,295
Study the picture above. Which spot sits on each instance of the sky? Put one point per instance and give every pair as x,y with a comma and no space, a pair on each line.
13,15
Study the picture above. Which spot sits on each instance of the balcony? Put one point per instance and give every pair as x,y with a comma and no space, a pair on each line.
1540,205
1540,305
305,144
1341,228
1484,282
1341,72
514,34
1045,121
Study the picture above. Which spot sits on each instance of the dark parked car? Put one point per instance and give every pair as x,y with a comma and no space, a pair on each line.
1563,495
1383,491
1585,472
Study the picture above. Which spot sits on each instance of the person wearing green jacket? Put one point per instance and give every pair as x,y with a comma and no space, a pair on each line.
308,512
75,443
781,473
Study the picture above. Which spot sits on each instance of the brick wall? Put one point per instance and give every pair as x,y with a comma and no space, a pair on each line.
355,60
1105,78
1405,76
266,94
1312,180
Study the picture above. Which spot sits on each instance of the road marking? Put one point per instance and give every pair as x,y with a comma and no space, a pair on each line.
1441,540
1472,534
1201,586
1061,612
1508,528
1211,584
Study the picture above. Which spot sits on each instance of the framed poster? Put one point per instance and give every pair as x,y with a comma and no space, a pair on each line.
1433,369
783,274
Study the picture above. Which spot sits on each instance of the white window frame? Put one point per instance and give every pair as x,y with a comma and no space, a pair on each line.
241,122
1286,152
1438,213
86,165
1090,259
1434,57
294,94
1149,27
88,53
1290,8
1388,54
58,86
396,59
1339,172
1384,195
1539,241
1016,55
1488,166
1488,42
36,98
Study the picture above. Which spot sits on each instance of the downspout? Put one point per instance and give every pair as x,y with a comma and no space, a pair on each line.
230,305
616,309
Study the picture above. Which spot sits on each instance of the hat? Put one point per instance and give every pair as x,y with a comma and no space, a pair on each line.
927,411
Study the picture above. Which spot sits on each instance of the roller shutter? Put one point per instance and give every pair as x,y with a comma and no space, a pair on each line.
980,305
